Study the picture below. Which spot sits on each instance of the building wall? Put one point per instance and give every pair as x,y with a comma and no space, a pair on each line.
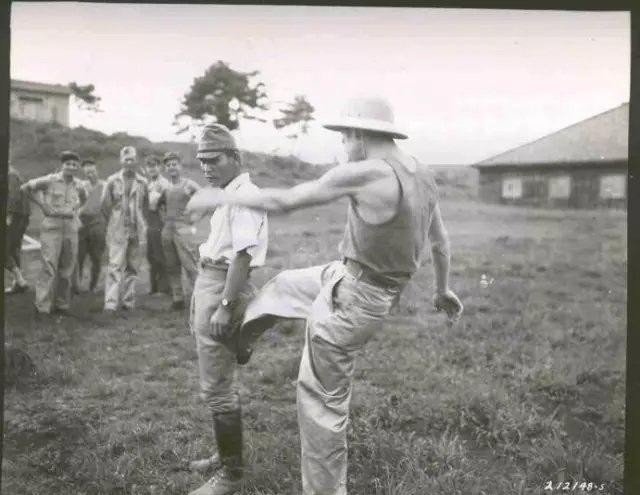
42,107
586,187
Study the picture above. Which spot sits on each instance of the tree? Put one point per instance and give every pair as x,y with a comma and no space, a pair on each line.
225,95
84,97
298,113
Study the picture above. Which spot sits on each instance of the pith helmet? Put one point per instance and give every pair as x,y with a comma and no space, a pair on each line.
127,152
369,114
214,139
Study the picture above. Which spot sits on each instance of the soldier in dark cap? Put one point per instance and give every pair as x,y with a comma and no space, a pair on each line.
237,243
178,234
156,187
61,197
18,211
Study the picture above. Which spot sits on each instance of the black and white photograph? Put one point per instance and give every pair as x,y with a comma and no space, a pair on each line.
315,250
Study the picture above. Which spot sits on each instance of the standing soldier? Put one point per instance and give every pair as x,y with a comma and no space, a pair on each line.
62,196
124,203
236,244
178,233
18,211
91,236
156,187
393,210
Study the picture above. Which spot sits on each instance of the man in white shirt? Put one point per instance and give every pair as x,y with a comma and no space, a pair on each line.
237,243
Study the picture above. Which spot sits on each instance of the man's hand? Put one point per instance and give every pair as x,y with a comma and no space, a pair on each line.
220,323
447,301
9,219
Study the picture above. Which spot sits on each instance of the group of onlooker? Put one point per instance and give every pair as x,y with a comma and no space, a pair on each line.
84,216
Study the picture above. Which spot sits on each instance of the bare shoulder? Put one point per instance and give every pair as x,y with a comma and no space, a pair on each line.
360,173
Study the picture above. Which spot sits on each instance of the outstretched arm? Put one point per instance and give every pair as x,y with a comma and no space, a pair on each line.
343,180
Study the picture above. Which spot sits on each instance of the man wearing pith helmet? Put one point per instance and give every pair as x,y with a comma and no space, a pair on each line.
393,211
62,196
237,243
124,203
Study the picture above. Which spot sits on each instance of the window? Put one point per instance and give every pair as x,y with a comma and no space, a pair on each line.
613,186
511,187
560,187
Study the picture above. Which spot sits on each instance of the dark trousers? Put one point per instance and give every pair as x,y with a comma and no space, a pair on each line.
13,241
158,278
91,242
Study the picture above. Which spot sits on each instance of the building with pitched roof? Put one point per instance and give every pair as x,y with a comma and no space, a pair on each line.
40,102
581,166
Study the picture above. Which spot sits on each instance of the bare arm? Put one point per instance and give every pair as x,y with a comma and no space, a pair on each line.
237,276
106,201
31,189
439,240
343,180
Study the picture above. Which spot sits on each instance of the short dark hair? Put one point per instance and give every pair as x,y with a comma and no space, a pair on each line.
88,161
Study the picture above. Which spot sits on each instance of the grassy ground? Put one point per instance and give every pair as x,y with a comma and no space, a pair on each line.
528,387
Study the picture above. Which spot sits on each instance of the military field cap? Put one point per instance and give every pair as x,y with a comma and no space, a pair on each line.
127,152
88,161
215,139
171,155
69,155
368,114
151,160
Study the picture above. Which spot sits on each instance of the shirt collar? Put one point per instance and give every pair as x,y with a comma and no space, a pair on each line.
60,178
239,180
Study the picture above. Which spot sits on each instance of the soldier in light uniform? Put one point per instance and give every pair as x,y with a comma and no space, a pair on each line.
124,203
91,236
237,243
61,197
393,214
157,185
178,234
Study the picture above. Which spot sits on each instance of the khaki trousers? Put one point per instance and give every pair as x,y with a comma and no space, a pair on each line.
216,360
59,249
122,273
342,314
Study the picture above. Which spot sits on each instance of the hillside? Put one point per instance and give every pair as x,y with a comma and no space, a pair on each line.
35,148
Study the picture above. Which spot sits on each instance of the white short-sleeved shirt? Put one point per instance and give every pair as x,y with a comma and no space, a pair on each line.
234,228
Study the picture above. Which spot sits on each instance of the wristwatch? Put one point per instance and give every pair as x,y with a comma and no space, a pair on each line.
226,304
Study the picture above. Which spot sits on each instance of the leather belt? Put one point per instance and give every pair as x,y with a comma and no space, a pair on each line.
366,274
208,263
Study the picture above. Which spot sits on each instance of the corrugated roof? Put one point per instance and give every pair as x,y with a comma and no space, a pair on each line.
57,89
603,137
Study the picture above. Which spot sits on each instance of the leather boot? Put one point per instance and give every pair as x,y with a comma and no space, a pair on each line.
228,480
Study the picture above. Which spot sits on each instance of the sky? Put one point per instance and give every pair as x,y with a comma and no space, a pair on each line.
465,84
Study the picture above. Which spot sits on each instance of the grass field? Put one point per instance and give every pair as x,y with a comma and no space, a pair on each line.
528,387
